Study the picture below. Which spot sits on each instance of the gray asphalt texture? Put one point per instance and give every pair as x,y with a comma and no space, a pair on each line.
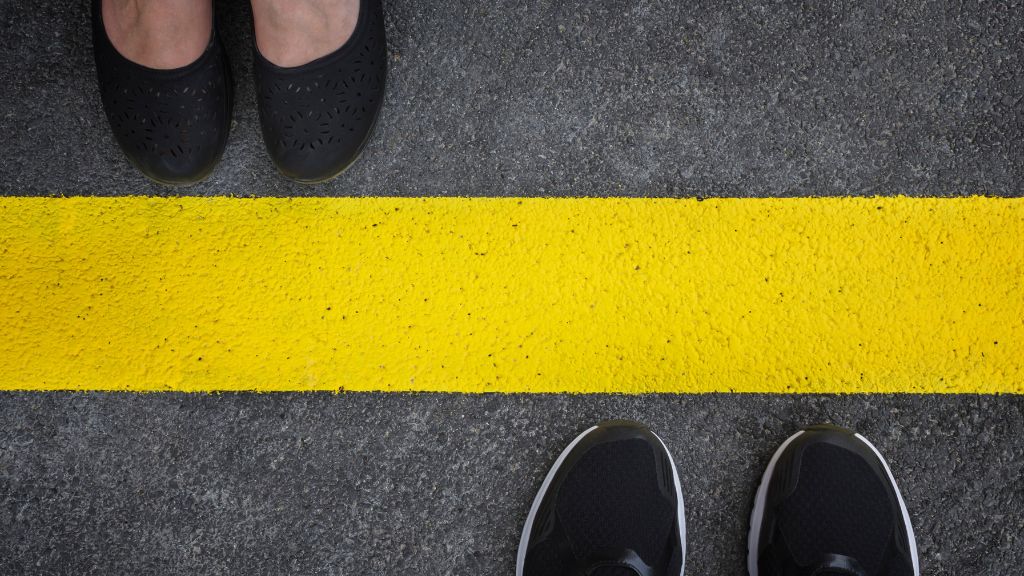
662,98
317,484
594,98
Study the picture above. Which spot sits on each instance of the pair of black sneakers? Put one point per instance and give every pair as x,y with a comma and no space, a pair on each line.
316,118
612,505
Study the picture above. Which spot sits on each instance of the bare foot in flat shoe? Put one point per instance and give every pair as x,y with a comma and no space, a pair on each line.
163,34
291,33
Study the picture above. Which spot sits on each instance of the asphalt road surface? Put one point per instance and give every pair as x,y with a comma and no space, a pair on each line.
541,98
659,98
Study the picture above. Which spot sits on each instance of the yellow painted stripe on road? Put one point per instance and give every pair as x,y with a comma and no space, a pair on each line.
512,295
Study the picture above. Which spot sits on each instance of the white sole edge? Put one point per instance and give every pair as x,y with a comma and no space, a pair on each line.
527,528
903,506
757,514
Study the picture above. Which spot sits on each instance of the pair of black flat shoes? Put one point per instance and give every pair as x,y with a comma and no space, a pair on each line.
316,118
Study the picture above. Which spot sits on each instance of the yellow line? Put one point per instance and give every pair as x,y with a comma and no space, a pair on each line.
513,295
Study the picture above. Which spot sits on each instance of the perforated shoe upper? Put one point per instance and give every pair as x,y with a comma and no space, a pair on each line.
317,117
172,124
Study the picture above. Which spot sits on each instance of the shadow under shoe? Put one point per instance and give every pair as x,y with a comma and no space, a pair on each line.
172,125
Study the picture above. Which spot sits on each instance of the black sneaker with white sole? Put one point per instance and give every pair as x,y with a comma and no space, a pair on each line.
828,505
610,506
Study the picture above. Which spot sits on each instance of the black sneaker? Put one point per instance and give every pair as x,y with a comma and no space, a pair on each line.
828,505
610,506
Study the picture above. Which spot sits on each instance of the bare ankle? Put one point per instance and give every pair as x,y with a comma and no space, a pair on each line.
294,32
162,34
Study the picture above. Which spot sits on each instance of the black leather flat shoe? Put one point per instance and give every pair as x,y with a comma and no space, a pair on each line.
172,124
317,117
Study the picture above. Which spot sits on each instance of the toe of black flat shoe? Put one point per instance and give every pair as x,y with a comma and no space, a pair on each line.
316,118
172,125
183,170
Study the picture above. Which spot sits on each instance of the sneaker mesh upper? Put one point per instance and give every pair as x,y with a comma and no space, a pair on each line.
840,506
611,501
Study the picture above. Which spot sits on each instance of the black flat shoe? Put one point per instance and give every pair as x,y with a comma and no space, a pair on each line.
317,117
172,124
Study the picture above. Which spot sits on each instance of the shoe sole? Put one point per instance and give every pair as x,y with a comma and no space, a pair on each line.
757,514
527,528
